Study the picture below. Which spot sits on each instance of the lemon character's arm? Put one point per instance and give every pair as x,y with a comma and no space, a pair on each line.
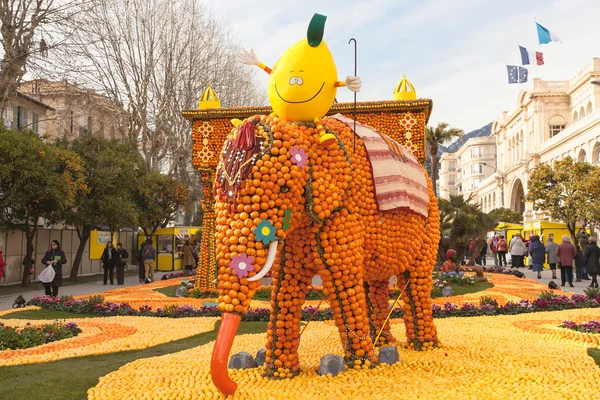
250,58
352,82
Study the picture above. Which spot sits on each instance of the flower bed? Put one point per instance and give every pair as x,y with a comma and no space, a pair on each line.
107,335
479,358
487,306
587,327
507,288
13,338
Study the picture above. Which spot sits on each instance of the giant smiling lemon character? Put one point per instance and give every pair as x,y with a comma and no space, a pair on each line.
304,81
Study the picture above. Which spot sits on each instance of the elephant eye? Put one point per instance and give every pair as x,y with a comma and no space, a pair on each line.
284,189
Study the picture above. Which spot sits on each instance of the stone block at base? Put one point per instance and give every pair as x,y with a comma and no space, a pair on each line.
331,364
388,355
261,356
241,360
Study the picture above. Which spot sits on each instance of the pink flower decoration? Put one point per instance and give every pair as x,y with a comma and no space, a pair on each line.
299,156
242,265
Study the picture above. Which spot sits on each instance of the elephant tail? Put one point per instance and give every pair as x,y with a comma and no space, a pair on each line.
432,226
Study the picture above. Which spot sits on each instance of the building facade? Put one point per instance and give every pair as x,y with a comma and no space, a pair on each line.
551,121
463,171
25,112
77,110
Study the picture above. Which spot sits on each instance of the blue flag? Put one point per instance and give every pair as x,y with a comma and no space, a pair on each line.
545,36
523,74
524,55
513,74
517,74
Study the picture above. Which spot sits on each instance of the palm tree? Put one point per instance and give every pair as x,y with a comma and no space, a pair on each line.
462,220
435,137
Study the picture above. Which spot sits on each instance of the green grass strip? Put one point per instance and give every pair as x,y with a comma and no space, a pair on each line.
71,378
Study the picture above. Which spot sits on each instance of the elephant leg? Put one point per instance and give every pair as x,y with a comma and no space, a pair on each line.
418,319
290,285
342,273
378,304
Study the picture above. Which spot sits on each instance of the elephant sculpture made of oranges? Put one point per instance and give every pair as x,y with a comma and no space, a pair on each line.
279,191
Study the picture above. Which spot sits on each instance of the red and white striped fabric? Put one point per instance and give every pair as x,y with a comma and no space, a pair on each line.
397,174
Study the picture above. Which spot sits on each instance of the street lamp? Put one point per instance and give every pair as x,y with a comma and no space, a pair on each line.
501,182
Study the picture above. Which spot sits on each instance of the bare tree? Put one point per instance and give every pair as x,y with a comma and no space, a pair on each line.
156,57
24,48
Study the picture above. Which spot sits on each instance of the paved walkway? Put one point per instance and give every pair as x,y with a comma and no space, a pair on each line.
74,290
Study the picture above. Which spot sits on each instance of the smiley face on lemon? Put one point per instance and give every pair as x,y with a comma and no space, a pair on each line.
304,80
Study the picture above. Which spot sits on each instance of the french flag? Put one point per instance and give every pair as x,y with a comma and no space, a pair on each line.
527,57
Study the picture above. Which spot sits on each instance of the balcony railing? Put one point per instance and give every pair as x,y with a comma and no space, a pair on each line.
571,129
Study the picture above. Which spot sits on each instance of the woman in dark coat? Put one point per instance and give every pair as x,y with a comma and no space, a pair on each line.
120,257
591,258
108,262
55,257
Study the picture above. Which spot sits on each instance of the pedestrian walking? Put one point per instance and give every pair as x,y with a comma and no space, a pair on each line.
552,257
494,249
483,252
502,249
188,256
582,241
121,256
2,264
140,261
517,251
55,257
108,262
537,254
149,255
566,253
591,258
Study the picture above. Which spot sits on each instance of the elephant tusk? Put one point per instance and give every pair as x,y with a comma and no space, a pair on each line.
269,263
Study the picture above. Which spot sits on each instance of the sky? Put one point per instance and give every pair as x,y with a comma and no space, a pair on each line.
454,52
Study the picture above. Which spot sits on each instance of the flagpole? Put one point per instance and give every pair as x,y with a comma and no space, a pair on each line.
506,91
518,70
535,47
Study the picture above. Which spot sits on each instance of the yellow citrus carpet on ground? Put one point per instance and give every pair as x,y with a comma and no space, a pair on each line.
502,357
106,335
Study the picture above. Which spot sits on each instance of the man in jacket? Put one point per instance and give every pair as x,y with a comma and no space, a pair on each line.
517,251
583,242
566,253
591,258
149,255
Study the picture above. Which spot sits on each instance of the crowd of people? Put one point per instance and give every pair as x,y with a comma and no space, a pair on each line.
583,257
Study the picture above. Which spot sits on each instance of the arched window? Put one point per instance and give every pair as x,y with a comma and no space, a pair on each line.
596,154
589,108
556,124
582,157
581,113
494,200
575,118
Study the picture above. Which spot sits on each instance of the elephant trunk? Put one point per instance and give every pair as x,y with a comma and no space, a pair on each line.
220,357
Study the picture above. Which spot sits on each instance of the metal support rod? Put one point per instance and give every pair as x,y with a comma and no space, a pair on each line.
355,72
391,310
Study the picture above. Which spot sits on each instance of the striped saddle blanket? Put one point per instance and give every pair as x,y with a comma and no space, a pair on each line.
398,177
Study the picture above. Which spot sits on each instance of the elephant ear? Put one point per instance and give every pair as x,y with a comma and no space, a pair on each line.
328,180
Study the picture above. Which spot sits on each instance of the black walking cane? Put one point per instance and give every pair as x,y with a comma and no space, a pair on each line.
355,64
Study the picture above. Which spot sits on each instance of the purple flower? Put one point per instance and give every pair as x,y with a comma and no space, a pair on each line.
242,265
299,156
